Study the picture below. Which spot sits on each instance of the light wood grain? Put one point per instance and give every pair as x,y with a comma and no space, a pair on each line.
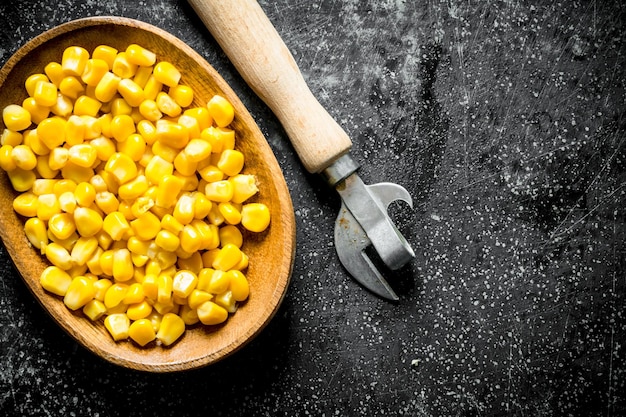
271,252
256,49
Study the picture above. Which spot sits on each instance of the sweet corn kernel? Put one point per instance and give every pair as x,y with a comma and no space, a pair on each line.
93,128
74,60
10,137
169,223
123,268
226,301
94,309
167,105
210,313
231,162
215,217
131,92
83,250
83,155
88,221
134,188
55,280
106,53
59,256
76,173
37,112
184,165
198,149
24,157
116,225
244,187
239,286
32,80
122,167
45,94
101,286
6,158
122,126
79,293
167,240
21,180
47,206
52,131
219,282
86,106
230,234
164,288
139,55
85,194
134,146
61,225
201,205
221,111
152,88
36,232
230,213
142,75
63,106
184,209
74,130
135,294
219,191
255,217
184,282
141,331
150,110
16,117
94,71
168,189
115,294
197,297
43,167
202,115
166,73
182,95
123,67
146,226
71,87
227,257
54,73
106,88
26,204
171,329
118,325
191,262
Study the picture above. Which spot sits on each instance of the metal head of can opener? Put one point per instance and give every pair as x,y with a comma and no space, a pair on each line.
257,51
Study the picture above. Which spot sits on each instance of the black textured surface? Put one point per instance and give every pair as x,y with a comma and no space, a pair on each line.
505,120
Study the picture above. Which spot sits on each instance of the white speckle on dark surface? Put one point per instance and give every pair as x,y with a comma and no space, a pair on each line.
506,123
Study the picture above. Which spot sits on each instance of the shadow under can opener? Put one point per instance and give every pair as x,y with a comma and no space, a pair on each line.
256,49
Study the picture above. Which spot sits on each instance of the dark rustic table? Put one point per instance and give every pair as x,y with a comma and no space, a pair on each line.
506,122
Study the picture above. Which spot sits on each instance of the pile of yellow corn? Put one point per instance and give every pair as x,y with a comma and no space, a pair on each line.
136,197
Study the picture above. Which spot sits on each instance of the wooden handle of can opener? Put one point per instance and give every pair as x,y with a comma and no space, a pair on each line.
257,51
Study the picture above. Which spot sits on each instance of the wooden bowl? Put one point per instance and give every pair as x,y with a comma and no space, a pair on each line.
271,253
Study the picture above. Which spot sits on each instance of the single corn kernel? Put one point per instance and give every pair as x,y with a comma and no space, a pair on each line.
122,126
21,179
51,131
83,155
140,206
45,94
94,71
146,226
139,310
55,280
152,88
172,134
164,288
24,157
115,294
67,202
134,188
85,194
123,268
167,105
191,262
32,80
101,286
231,162
134,146
31,139
244,187
141,331
135,294
197,297
123,67
10,137
86,106
75,130
48,205
184,209
37,112
157,168
43,167
88,221
169,223
26,204
184,282
94,309
188,315
74,60
215,217
182,95
239,286
61,225
79,293
167,74
139,55
6,158
116,225
171,328
227,257
63,106
210,313
131,92
122,167
150,110
168,189
142,75
167,240
201,205
255,217
118,325
106,53
191,124
36,232
211,173
230,234
219,282
54,72
221,111
93,128
120,106
198,149
71,87
164,151
230,213
58,158
202,115
107,87
83,250
226,301
219,191
184,165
